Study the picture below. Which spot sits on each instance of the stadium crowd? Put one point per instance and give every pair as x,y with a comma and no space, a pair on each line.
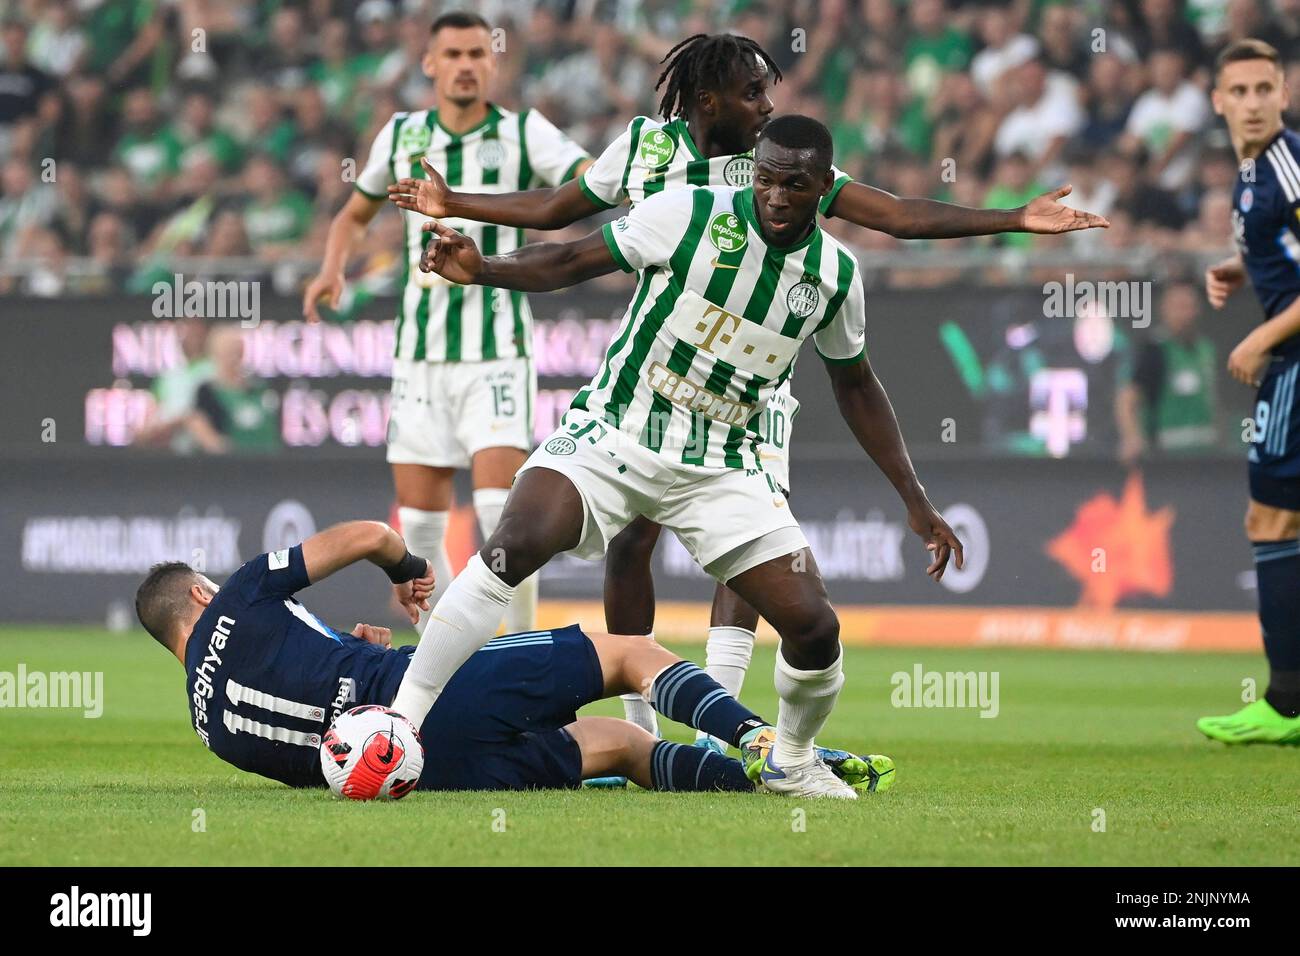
138,133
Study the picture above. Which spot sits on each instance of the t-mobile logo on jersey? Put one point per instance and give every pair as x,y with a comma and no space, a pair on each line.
75,908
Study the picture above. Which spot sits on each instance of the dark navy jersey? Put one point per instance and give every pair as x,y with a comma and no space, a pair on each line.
1266,226
265,677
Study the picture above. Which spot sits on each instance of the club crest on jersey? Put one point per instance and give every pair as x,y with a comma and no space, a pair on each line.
491,154
727,232
739,171
657,149
561,446
414,138
802,299
1247,199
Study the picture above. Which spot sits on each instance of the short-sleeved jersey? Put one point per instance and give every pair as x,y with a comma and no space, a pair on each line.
652,156
440,321
265,677
1266,226
715,323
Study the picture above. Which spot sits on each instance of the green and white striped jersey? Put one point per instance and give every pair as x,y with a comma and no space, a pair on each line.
715,323
439,321
652,156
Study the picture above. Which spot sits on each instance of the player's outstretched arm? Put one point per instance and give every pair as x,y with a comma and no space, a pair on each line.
537,267
344,544
870,416
930,219
552,208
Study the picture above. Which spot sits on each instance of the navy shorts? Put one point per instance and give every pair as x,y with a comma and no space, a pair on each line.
1274,458
499,724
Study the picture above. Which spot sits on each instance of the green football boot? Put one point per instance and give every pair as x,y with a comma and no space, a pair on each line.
1256,723
872,773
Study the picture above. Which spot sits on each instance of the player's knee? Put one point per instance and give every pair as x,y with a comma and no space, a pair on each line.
818,628
516,549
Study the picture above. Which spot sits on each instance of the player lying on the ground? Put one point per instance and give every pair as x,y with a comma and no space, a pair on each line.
266,678
716,101
1250,94
731,283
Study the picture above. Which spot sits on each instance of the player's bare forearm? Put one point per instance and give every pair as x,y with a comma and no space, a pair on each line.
866,409
1279,328
918,218
347,226
547,266
347,543
906,218
534,209
870,416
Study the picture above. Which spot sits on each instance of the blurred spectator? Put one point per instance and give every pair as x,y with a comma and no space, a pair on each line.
57,44
1045,113
232,411
175,391
1109,101
937,46
1004,48
276,215
1166,118
26,203
267,128
1143,200
1211,231
23,86
315,132
592,85
86,123
147,148
1061,36
1245,18
198,135
1165,26
1171,403
285,60
125,38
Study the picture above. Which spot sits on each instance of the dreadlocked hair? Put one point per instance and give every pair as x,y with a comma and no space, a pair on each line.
705,62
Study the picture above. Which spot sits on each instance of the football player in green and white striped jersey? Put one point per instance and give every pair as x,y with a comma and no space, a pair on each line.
463,380
716,101
730,283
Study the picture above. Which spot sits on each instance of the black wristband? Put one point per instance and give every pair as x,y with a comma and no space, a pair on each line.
409,568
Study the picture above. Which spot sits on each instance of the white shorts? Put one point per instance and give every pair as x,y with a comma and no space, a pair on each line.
713,511
775,430
443,413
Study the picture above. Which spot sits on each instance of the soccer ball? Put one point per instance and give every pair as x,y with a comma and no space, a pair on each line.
372,753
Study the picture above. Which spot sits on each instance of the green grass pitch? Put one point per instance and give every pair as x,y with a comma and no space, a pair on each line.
1078,735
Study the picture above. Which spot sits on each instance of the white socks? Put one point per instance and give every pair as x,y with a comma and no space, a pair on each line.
425,533
727,657
807,698
465,619
522,613
638,710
